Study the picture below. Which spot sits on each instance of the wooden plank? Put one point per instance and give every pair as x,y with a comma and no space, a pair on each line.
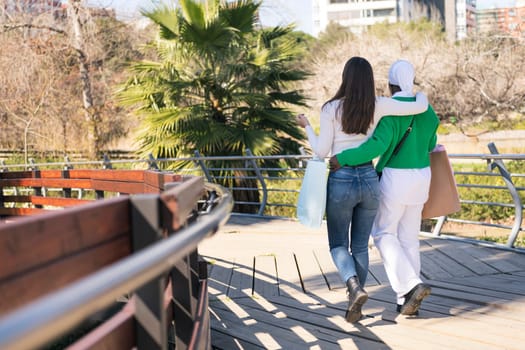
21,211
27,244
224,340
180,201
57,201
376,273
498,259
429,269
310,271
118,186
20,289
328,324
157,180
15,175
497,283
278,330
420,327
328,269
265,275
241,283
108,174
464,255
219,276
489,290
437,258
39,182
118,332
289,279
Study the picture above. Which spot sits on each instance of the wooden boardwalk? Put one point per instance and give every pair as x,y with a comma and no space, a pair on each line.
272,285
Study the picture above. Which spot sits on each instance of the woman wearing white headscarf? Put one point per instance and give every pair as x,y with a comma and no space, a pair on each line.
404,187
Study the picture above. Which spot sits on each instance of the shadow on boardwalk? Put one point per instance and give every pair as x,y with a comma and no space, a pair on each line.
273,285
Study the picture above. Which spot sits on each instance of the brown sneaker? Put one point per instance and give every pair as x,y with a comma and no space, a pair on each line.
414,298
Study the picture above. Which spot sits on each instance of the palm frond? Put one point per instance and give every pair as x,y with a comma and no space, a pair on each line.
167,20
240,15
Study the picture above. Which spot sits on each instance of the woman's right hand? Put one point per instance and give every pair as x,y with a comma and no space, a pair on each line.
334,164
302,121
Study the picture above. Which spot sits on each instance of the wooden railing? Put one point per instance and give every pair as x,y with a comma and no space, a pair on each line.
130,261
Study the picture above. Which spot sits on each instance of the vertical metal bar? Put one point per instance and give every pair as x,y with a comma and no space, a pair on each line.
106,162
152,163
203,167
261,180
67,163
518,207
38,190
151,320
2,202
3,168
439,225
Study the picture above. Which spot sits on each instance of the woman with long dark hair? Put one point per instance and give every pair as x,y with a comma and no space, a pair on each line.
347,120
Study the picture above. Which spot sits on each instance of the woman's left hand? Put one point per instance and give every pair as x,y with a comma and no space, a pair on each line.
302,121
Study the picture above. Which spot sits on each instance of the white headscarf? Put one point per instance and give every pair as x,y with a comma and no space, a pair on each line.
402,74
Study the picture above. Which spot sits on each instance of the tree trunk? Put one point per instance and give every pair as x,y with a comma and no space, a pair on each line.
92,115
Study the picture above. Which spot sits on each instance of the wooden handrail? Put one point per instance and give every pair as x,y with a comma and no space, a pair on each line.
50,254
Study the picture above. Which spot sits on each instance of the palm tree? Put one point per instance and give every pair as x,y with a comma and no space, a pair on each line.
220,86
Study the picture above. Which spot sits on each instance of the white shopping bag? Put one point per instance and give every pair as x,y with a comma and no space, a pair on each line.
312,197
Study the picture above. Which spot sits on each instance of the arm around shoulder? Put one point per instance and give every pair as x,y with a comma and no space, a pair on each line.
370,149
391,106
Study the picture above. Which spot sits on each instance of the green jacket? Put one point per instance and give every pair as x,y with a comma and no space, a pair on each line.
414,154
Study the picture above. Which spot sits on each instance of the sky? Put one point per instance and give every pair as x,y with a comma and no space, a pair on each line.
484,4
127,9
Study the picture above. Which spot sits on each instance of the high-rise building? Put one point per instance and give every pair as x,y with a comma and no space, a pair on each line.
509,20
459,18
358,14
465,18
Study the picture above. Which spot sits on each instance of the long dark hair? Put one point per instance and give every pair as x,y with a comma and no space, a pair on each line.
357,95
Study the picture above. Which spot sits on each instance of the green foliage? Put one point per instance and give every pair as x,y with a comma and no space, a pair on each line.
220,85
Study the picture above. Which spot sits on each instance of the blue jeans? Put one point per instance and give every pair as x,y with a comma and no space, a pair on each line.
351,203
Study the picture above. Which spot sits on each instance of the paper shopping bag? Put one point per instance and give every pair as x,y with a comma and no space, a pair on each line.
312,196
443,198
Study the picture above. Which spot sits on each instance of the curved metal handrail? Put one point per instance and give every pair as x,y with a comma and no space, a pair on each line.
48,317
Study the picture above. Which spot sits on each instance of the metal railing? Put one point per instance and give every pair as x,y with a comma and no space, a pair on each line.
278,187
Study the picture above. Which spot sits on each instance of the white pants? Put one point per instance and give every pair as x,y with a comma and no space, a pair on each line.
395,232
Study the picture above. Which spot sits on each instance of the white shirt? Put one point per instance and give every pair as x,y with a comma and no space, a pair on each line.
332,139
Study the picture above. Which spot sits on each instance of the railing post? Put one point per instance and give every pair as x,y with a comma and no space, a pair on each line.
106,162
39,191
152,163
65,175
150,316
261,180
203,167
3,168
184,277
518,207
439,225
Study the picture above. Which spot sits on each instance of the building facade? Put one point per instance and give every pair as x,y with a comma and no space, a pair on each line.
460,18
357,15
509,20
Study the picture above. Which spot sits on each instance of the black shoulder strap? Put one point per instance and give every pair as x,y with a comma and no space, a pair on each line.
400,143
